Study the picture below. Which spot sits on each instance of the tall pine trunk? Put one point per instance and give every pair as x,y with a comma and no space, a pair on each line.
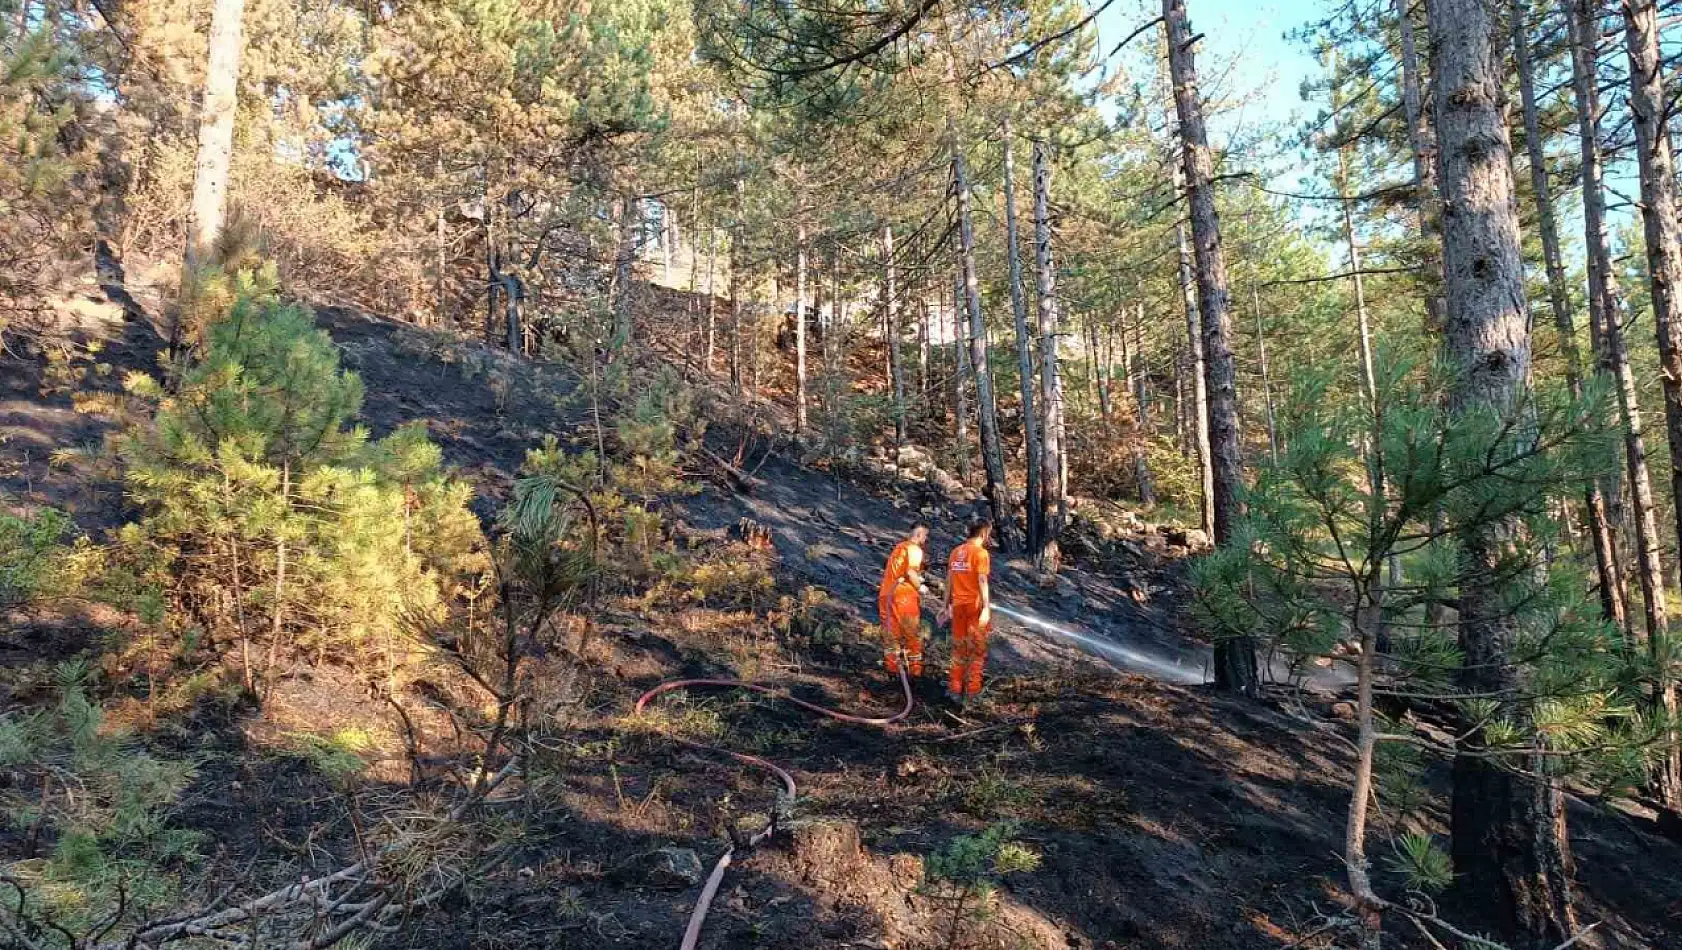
1507,829
1053,489
1141,369
214,162
890,332
694,272
1196,393
1372,627
1266,374
1602,530
1235,658
1033,448
1421,141
1133,385
992,451
738,380
1103,346
923,342
712,297
800,329
960,374
1663,231
630,226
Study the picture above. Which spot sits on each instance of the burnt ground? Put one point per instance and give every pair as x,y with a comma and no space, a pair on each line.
1165,816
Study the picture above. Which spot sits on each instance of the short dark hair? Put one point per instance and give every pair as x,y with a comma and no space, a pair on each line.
920,524
979,525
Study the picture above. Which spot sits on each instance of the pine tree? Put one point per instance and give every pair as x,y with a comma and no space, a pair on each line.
279,521
1509,841
1235,661
213,168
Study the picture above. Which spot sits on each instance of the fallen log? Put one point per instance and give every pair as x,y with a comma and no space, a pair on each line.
739,480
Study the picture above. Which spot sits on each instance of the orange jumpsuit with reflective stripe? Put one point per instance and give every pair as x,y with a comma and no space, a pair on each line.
966,571
900,608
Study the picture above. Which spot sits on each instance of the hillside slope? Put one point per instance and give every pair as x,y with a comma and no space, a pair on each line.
1165,817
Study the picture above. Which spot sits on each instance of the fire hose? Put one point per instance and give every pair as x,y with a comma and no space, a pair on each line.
698,917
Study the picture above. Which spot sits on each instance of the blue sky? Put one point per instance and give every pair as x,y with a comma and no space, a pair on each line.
1243,55
1249,33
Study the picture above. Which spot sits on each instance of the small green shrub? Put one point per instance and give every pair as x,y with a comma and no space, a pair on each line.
735,580
1424,865
991,792
32,554
92,809
269,516
338,756
965,875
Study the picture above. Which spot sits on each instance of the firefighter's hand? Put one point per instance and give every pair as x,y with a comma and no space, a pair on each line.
985,621
944,615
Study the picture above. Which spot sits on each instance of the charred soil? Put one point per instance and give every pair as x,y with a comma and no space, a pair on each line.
1164,816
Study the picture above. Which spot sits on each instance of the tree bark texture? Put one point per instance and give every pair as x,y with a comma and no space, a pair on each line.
1427,198
960,373
1602,532
1663,232
1054,491
800,421
890,331
630,226
1033,447
1266,375
214,162
217,110
1136,373
1235,658
992,451
1194,397
1509,852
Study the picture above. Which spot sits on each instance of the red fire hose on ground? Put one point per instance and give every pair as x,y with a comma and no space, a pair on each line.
698,917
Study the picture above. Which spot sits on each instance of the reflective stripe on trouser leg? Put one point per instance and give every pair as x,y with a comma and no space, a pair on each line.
904,629
977,664
969,649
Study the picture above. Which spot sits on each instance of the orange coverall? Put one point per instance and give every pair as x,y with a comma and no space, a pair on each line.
901,608
967,570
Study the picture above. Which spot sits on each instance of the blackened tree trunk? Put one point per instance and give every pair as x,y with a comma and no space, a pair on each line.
1663,231
1054,491
1235,658
1509,846
992,451
1033,447
513,293
890,332
1602,532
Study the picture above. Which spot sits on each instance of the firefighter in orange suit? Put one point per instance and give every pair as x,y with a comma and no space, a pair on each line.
899,602
969,603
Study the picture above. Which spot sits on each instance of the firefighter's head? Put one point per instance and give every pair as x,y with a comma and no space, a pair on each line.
981,529
920,533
